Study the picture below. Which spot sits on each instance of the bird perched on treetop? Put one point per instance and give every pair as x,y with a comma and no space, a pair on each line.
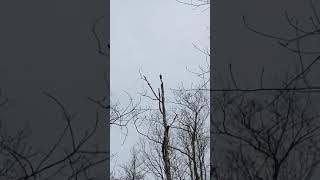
160,76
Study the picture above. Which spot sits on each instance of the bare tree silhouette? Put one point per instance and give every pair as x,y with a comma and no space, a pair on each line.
270,133
74,154
20,161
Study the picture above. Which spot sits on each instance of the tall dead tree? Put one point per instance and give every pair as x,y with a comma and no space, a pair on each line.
178,143
165,139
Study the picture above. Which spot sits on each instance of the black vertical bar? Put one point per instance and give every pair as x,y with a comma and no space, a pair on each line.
54,81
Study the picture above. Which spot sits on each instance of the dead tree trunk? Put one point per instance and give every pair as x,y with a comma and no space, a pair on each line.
166,141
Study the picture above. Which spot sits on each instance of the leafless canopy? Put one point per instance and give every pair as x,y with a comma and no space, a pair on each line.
20,160
271,133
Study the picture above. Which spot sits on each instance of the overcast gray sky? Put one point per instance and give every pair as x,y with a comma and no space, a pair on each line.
155,36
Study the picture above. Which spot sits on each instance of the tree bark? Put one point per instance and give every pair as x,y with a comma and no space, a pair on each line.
166,141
